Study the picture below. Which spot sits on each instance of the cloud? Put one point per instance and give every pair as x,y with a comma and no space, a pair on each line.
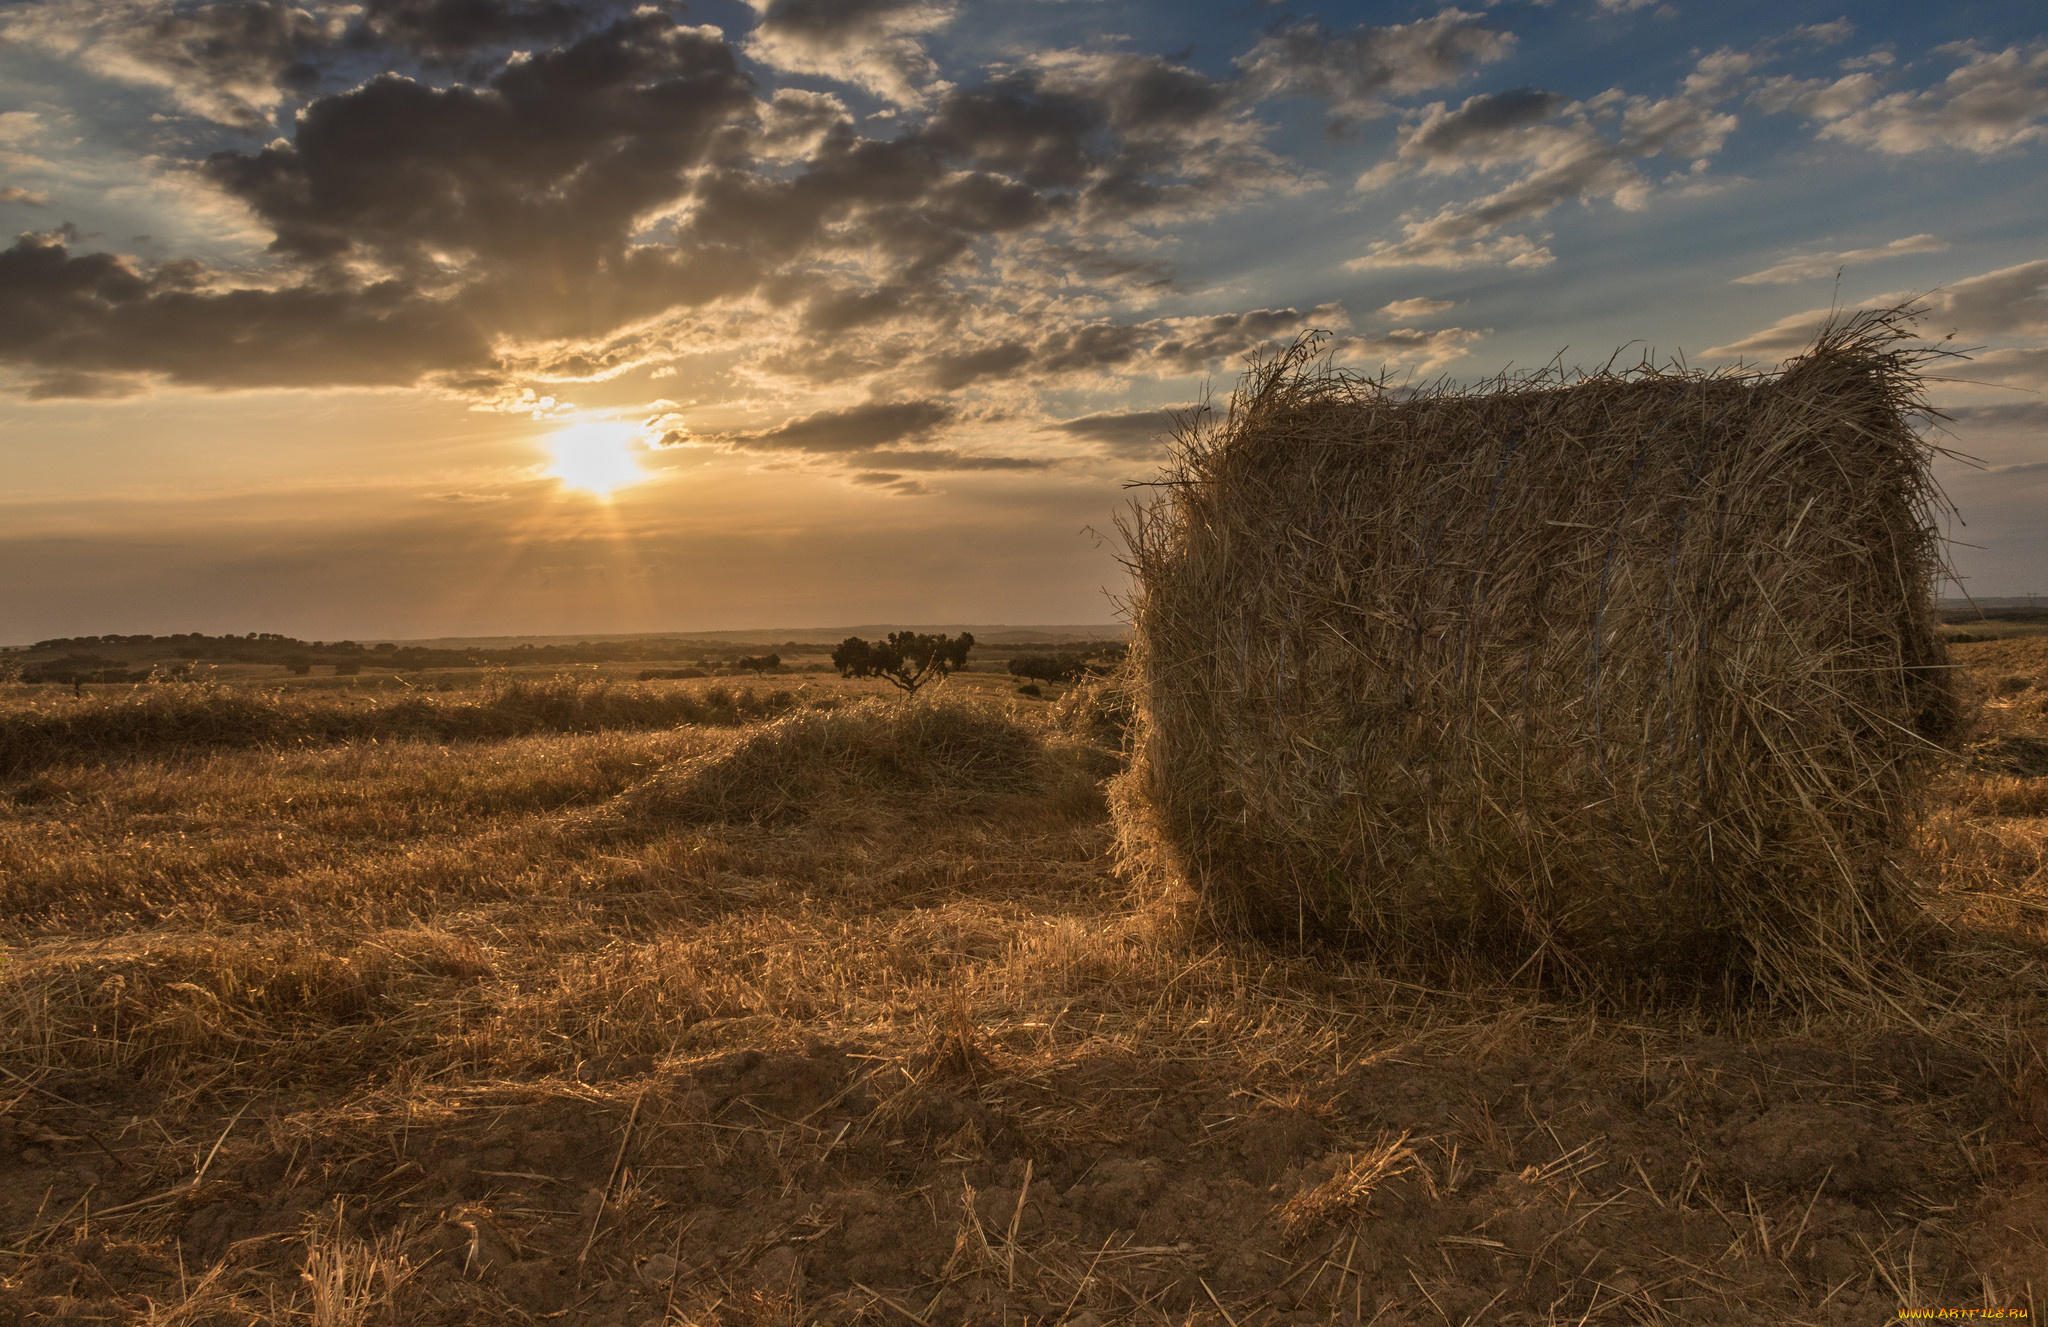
856,428
867,441
1806,266
871,44
1996,101
1127,434
28,198
98,313
2020,366
1172,346
947,458
1404,347
1417,308
1562,151
2009,301
2030,415
1354,73
231,62
71,385
556,156
1438,243
889,483
237,62
451,31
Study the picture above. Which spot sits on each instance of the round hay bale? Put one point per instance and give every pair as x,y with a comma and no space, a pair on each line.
1630,675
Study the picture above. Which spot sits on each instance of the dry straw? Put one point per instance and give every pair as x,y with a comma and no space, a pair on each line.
1629,678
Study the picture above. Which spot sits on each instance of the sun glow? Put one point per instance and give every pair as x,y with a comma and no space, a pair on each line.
596,455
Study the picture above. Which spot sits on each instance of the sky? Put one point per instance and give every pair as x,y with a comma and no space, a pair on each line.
405,318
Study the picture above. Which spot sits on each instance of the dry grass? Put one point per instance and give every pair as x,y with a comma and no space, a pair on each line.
842,1016
37,732
1630,681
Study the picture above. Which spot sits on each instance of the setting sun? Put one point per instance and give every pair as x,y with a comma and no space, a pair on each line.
597,455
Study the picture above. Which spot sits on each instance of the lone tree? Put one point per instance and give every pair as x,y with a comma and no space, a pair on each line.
759,664
906,660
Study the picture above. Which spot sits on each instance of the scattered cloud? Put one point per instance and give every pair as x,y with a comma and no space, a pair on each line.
1560,151
229,62
2006,302
1438,243
1355,72
871,44
2030,415
857,428
71,385
1404,347
1807,266
1995,101
14,193
884,480
2025,367
1128,434
1417,308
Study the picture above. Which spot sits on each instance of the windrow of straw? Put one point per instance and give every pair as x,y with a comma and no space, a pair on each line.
185,716
1630,676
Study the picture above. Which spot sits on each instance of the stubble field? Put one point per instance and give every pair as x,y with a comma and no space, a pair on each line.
542,1000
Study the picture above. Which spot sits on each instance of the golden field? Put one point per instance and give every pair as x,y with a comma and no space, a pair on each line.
569,1000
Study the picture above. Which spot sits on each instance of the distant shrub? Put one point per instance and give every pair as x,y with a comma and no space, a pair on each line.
347,668
670,674
1031,689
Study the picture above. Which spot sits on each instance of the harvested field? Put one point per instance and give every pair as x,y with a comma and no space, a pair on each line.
842,1016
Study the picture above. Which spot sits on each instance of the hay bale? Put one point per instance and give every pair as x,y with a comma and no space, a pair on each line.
1632,675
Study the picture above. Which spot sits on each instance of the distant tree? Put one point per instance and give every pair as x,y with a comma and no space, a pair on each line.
759,664
1067,665
1048,667
906,660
